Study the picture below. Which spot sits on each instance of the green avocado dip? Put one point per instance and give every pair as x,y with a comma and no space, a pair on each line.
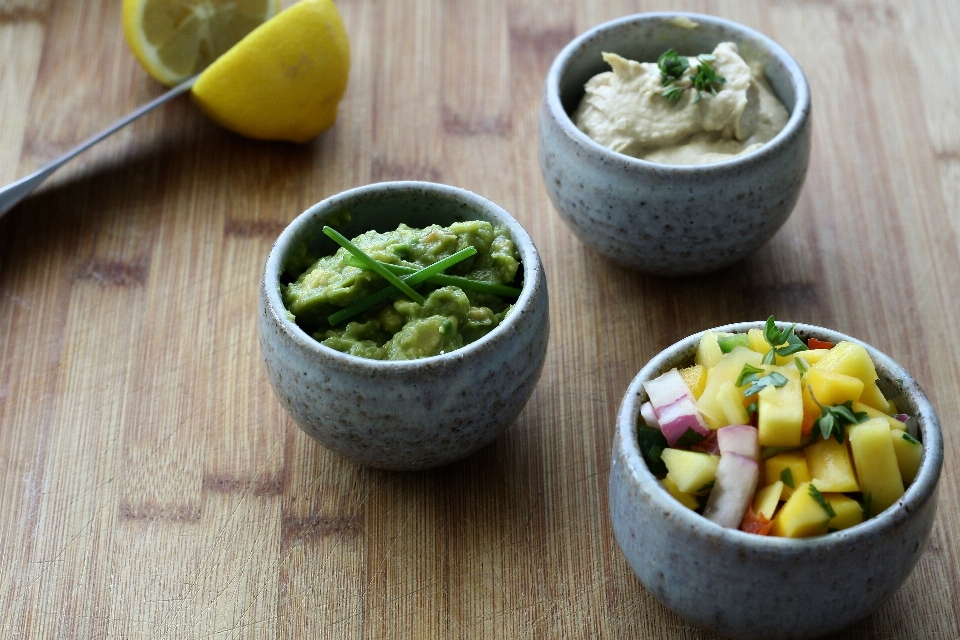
453,314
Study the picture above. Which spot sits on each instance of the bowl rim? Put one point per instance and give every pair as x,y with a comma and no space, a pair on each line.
270,281
798,116
915,495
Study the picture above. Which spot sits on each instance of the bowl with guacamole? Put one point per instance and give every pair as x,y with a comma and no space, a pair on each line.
674,143
404,325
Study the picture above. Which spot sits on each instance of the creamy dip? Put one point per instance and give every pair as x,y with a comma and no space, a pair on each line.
625,110
399,328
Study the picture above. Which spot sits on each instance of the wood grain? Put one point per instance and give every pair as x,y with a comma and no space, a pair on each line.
150,483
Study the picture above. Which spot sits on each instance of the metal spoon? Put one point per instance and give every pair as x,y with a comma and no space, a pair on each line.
17,191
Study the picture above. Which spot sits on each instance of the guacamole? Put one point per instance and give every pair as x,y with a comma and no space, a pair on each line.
399,328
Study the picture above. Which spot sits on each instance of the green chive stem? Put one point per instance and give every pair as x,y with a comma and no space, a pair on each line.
337,237
412,279
443,279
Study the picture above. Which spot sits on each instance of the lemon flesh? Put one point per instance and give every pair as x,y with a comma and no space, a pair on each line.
175,39
283,81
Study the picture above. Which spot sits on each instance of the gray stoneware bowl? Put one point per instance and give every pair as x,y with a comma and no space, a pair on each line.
667,219
414,414
749,586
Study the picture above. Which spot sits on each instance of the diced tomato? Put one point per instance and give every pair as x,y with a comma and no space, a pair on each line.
813,343
752,523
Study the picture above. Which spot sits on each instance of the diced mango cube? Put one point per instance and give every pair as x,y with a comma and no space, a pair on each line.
689,470
766,500
799,473
849,511
873,397
708,351
757,342
849,359
696,377
728,369
876,463
730,401
780,412
812,356
801,516
829,388
909,454
829,464
686,499
873,413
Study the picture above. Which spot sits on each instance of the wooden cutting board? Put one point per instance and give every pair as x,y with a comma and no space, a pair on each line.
150,483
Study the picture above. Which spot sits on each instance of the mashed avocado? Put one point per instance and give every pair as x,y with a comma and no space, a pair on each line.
401,329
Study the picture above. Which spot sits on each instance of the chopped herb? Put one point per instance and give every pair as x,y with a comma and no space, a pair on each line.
729,343
768,452
706,487
672,67
672,94
777,338
867,505
802,365
773,379
337,237
816,495
751,408
909,438
787,477
706,79
443,279
652,442
834,419
689,438
748,375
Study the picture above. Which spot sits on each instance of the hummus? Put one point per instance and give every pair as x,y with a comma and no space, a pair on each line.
625,110
399,328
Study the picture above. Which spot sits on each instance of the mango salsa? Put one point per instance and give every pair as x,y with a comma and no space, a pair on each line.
799,439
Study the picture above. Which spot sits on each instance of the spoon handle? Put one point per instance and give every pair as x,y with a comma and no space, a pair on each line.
17,191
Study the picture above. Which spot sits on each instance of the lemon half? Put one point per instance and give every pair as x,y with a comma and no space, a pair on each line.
175,39
283,81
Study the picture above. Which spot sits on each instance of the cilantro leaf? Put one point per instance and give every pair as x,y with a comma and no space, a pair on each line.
748,374
672,67
835,419
818,497
773,379
652,442
786,476
782,343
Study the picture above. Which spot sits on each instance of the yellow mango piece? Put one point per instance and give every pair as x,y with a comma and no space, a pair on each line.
849,359
757,342
796,462
829,465
708,351
689,470
728,369
873,397
829,388
695,377
849,511
801,516
909,454
731,404
780,412
812,356
876,463
765,501
873,413
687,500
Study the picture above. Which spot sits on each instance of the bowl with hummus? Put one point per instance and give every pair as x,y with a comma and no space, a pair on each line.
805,573
404,325
674,143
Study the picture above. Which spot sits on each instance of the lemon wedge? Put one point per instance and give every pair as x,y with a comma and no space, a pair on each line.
175,39
284,80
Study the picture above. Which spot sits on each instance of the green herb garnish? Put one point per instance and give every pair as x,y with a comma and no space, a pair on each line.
816,495
909,438
706,487
782,343
834,419
689,438
412,279
752,408
772,379
729,343
802,365
748,374
867,505
672,66
652,442
443,279
706,79
786,476
372,264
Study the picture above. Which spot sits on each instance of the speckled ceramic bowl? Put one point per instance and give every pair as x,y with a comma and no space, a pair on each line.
414,414
669,219
749,586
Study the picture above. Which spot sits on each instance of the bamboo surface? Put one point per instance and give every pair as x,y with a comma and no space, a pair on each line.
151,486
